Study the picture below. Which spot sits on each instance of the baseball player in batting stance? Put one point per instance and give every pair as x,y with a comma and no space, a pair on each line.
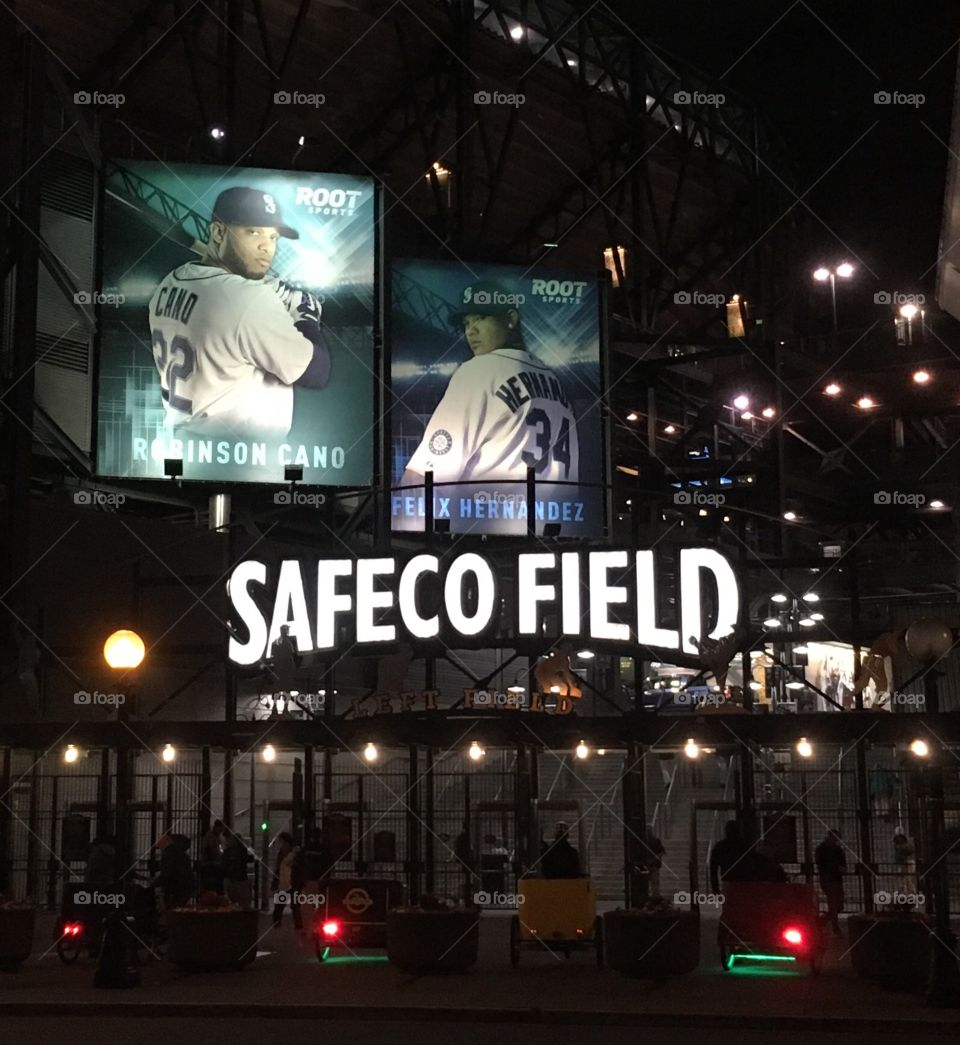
504,410
230,342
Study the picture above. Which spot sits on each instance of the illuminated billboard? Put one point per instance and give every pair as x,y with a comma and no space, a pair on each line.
236,324
496,370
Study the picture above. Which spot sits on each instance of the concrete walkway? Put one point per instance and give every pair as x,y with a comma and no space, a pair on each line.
287,981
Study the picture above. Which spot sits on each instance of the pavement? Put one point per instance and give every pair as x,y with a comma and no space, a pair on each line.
548,997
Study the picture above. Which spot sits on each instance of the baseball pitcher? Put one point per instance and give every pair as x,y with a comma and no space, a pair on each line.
229,341
503,411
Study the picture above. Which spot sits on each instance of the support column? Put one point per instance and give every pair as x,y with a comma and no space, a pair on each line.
414,836
636,884
943,989
309,813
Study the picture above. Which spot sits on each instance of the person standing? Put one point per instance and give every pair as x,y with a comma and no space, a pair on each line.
831,864
560,859
211,859
236,857
101,872
316,864
651,859
175,878
288,853
729,858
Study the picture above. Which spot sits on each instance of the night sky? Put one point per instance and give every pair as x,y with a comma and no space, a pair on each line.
815,73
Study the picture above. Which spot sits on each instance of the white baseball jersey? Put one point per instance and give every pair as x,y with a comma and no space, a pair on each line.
227,352
501,413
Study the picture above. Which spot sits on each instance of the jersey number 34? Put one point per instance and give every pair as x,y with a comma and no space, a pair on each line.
175,363
559,450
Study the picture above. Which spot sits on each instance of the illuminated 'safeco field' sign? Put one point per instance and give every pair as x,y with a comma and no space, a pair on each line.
606,596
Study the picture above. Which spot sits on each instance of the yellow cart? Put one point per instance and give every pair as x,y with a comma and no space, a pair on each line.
556,914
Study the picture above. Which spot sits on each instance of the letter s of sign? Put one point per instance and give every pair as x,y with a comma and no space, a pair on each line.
238,591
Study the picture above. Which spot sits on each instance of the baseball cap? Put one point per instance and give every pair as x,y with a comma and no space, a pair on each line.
244,206
486,297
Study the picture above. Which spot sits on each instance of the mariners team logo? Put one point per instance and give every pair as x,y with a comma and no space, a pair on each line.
440,442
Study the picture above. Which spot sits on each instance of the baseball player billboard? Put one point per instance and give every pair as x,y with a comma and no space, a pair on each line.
496,371
240,337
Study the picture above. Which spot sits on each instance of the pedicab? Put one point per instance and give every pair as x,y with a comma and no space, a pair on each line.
556,914
775,922
354,914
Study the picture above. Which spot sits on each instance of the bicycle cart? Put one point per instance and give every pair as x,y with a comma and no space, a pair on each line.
556,914
770,922
354,914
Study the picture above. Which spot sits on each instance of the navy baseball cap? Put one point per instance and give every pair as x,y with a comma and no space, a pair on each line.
243,206
486,297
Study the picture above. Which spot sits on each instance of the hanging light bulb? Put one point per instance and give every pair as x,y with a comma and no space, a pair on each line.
169,753
583,751
71,754
691,749
920,748
804,748
370,752
269,753
475,751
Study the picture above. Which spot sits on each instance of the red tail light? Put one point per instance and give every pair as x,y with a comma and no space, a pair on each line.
73,929
330,928
793,936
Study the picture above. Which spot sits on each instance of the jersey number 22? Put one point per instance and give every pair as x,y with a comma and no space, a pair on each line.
175,364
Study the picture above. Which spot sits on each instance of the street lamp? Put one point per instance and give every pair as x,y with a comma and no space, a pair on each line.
124,649
823,274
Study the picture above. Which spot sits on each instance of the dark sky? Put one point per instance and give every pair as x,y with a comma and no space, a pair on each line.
815,73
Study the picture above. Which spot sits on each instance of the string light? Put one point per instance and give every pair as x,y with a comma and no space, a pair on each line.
583,750
920,748
269,753
833,389
804,748
169,753
691,749
475,751
370,752
71,754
